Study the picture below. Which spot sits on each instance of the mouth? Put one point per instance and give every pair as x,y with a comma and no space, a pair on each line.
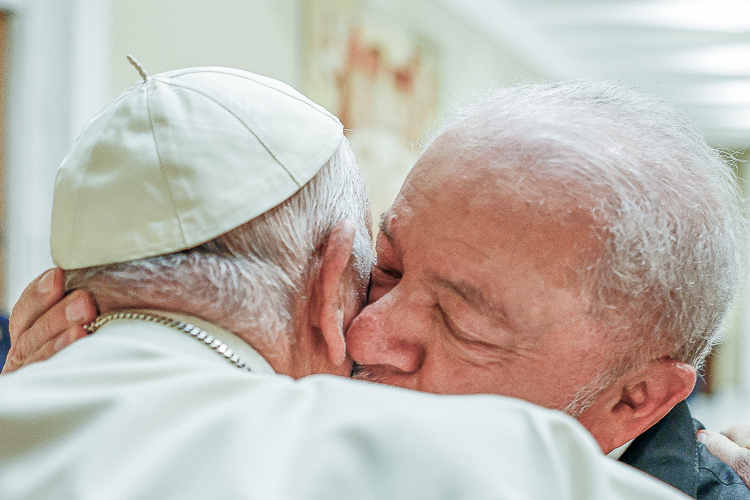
363,372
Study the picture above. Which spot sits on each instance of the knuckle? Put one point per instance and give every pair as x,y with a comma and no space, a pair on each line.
45,324
13,327
740,434
14,361
742,464
46,352
19,322
48,327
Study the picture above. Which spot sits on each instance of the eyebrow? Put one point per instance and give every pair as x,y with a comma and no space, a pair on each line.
476,299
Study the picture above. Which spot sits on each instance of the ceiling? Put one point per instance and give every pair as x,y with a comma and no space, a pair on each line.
695,53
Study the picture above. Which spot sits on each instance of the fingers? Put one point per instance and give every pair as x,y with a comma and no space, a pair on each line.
16,360
740,434
737,457
36,299
55,345
44,320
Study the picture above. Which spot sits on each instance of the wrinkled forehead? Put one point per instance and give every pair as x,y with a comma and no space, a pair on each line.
468,170
444,201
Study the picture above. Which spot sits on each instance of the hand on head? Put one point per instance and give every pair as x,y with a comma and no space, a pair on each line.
45,320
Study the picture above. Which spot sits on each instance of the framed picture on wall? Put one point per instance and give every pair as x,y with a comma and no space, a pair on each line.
380,77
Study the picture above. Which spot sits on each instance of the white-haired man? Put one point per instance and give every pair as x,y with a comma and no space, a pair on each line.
218,219
573,244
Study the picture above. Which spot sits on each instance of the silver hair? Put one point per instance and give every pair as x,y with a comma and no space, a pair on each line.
255,274
664,205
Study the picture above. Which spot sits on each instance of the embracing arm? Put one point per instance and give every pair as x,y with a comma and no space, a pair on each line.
45,320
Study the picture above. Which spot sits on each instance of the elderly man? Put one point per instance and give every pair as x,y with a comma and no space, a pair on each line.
219,221
575,245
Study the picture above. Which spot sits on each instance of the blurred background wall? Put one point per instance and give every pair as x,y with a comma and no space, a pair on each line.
386,67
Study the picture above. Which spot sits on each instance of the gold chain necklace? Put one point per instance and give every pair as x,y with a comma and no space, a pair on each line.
192,330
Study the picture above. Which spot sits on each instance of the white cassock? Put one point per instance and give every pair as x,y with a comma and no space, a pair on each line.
140,410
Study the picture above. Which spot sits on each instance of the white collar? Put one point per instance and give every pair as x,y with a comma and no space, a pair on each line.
617,452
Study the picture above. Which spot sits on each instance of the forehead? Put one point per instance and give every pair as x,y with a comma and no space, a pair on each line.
459,201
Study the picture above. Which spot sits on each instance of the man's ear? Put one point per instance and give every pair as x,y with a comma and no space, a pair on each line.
332,289
629,407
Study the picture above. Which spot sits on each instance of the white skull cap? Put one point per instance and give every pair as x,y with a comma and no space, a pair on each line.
181,158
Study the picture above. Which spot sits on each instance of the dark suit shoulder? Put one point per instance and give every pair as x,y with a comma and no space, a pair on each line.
670,451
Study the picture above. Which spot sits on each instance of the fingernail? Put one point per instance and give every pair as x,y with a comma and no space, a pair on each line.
46,283
701,436
75,311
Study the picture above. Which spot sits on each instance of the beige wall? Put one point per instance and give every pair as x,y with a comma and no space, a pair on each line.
470,60
262,36
266,36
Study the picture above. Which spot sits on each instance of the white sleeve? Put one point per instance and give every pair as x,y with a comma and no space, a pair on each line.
385,443
150,428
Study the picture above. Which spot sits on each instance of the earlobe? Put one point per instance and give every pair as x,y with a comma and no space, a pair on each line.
639,401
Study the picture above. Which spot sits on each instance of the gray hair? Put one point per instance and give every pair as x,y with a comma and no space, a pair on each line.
254,275
664,205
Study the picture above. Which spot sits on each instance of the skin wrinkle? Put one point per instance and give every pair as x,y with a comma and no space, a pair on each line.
493,305
572,206
448,245
476,299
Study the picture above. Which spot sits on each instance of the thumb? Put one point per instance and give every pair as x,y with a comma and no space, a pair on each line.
737,457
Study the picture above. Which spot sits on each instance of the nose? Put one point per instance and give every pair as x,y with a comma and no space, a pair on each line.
382,336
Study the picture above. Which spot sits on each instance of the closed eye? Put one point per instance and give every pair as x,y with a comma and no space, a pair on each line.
382,281
466,338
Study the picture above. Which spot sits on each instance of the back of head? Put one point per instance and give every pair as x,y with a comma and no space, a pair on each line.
207,190
663,203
